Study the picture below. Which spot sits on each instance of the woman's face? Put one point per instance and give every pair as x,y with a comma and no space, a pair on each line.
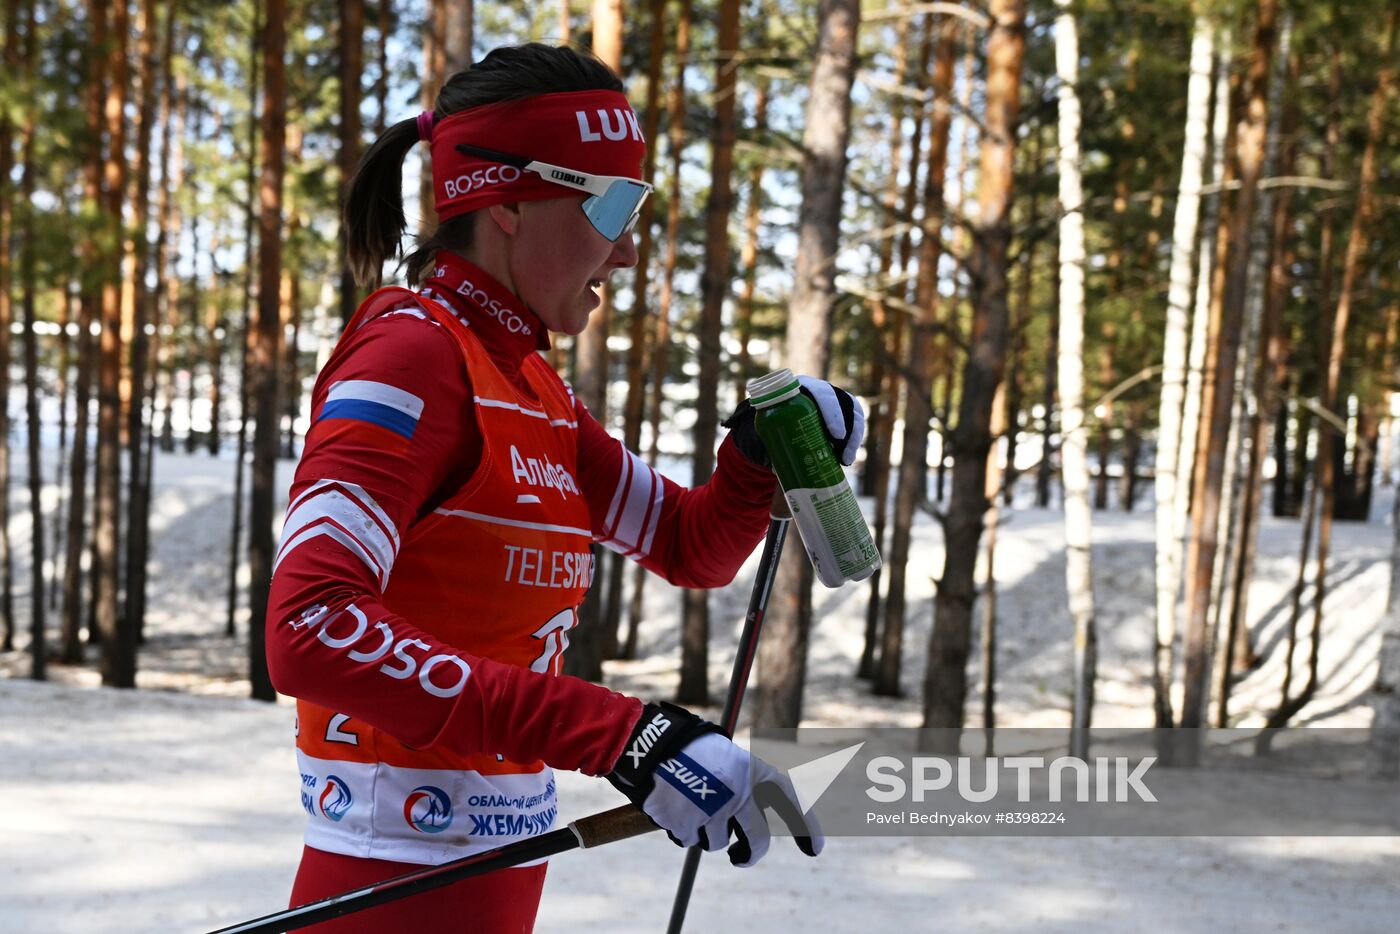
558,262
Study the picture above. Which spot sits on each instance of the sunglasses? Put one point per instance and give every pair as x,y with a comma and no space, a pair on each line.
614,202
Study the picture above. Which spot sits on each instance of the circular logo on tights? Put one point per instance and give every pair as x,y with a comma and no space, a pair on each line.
428,809
335,798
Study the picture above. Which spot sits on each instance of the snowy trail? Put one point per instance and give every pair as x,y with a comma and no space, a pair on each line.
155,811
176,809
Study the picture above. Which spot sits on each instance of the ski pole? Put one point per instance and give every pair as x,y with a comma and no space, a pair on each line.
738,681
620,823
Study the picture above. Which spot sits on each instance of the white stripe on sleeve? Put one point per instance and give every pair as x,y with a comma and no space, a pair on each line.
345,512
331,530
348,515
635,509
361,498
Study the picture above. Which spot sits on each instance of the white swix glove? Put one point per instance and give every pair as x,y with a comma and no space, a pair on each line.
842,414
698,786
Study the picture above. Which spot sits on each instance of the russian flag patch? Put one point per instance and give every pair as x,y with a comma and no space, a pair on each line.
371,403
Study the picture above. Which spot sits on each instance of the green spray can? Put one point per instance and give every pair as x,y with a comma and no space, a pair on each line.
823,505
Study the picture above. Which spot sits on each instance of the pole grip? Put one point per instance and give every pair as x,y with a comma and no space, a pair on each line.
611,826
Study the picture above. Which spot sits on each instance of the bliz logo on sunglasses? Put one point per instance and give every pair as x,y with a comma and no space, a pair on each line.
626,122
569,177
470,181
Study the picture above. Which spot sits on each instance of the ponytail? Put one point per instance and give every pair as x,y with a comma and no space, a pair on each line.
373,214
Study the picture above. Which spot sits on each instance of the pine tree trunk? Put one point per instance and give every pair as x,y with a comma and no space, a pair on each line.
11,62
1044,468
1174,361
590,642
714,289
782,653
919,371
591,361
434,75
1045,471
884,324
748,255
1105,414
215,321
1354,496
76,540
595,366
661,340
138,506
291,376
879,451
953,343
381,78
158,365
989,586
1303,420
38,645
1210,454
944,395
245,333
1341,319
351,40
945,681
1282,475
1235,559
239,471
1103,446
1201,381
263,354
1079,576
88,310
1231,484
458,38
1024,310
196,297
912,196
289,388
1263,741
118,638
639,318
1268,382
61,390
1208,266
1132,456
1327,169
176,107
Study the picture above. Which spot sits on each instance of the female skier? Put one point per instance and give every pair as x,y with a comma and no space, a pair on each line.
436,546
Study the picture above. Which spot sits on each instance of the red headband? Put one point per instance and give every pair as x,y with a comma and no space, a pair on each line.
592,131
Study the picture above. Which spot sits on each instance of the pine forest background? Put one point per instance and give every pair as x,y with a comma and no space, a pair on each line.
1079,256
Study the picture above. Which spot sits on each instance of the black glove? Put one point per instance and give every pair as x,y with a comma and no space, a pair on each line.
843,418
710,787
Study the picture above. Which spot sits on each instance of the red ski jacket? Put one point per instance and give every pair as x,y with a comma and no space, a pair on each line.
433,556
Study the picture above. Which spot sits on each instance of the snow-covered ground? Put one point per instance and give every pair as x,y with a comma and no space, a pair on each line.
176,808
